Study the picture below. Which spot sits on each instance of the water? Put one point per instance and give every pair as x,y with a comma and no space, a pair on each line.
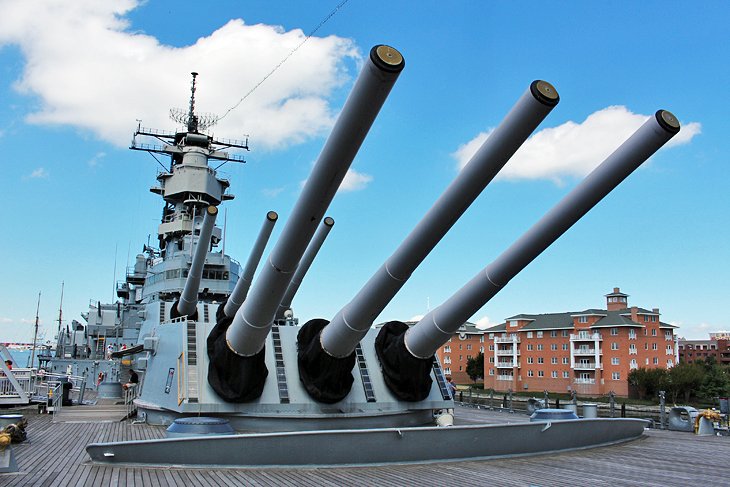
21,358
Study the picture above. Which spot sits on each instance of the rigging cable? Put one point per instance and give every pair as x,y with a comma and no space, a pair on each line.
314,31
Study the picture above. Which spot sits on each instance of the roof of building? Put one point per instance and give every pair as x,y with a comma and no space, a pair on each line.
558,321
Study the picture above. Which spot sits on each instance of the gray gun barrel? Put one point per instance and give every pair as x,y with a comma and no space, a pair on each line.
253,320
424,338
352,322
304,265
189,297
244,282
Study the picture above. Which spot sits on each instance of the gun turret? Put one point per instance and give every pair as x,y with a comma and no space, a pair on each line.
235,300
237,370
186,306
406,354
329,354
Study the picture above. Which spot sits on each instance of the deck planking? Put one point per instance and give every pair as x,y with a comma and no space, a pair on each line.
54,455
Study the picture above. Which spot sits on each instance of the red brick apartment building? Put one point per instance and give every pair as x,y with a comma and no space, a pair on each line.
590,351
467,343
718,346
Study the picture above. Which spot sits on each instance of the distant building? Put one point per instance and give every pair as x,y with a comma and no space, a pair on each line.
718,347
590,351
465,344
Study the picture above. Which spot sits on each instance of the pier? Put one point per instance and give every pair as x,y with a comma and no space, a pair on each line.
54,455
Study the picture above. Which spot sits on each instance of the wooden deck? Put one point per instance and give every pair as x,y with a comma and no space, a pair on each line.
54,455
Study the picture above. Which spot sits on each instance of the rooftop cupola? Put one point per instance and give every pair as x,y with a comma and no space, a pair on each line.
617,300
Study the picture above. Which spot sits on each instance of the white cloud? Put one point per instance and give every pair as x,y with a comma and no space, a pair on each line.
484,323
571,149
89,69
5,320
354,181
39,173
94,161
272,192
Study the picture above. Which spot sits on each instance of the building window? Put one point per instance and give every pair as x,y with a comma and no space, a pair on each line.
539,346
614,331
481,349
646,346
529,334
554,346
491,348
566,333
529,346
633,364
553,333
461,368
632,334
539,334
468,347
632,348
447,349
565,360
582,319
530,373
447,371
540,360
616,376
554,374
565,346
513,323
491,336
491,360
670,363
654,346
668,336
540,373
669,349
653,332
461,347
530,360
481,339
554,360
491,371
566,374
654,318
614,346
656,360
614,361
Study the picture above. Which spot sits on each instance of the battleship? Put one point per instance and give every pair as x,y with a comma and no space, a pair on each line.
222,358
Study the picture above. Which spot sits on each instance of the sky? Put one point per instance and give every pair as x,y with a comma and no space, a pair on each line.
77,77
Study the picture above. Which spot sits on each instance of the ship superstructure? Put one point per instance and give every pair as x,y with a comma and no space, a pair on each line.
104,347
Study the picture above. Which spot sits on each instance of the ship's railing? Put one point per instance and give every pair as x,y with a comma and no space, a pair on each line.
46,382
18,388
130,394
55,398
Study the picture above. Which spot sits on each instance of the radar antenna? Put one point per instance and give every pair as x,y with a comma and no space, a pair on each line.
194,122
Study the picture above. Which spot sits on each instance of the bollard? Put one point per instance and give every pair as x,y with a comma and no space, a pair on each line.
491,399
547,400
662,409
511,410
612,404
623,409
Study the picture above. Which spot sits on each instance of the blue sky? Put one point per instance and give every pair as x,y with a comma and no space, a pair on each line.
75,77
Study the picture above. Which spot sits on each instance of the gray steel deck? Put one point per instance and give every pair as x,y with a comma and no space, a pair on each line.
54,455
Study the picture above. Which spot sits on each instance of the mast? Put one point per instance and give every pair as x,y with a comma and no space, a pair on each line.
60,319
35,333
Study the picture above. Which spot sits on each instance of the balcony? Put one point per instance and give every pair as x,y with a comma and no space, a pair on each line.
584,381
584,351
508,352
507,365
585,337
633,351
507,340
586,366
505,377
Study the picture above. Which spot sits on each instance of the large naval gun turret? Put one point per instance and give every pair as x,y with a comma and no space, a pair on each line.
342,390
231,347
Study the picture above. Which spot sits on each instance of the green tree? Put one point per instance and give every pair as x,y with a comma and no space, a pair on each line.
475,367
648,382
716,381
685,379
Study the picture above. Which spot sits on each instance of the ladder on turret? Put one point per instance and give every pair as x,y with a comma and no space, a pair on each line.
192,361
